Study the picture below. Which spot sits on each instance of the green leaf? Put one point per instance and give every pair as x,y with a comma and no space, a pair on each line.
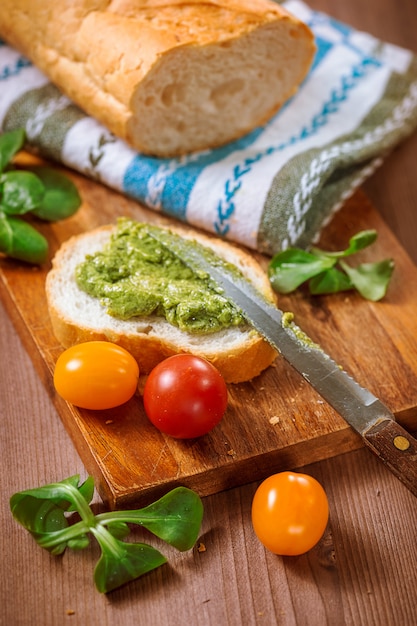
289,269
40,517
45,192
42,512
78,543
371,279
26,506
176,517
37,515
122,562
6,234
120,530
358,242
330,281
20,240
20,192
61,198
10,144
361,240
86,489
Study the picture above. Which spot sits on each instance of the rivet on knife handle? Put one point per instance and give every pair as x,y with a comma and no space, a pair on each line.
365,413
398,450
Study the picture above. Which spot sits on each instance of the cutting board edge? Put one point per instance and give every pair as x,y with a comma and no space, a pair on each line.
205,483
242,472
43,362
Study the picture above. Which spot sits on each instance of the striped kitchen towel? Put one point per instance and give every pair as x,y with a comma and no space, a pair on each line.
275,187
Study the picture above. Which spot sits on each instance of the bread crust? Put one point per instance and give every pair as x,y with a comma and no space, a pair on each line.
76,317
167,76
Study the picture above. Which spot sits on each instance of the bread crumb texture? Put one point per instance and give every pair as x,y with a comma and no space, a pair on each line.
239,353
168,76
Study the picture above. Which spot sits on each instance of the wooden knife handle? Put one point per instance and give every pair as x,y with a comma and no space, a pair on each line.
397,449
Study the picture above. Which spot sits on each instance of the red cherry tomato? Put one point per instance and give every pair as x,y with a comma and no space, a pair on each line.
185,396
96,375
290,513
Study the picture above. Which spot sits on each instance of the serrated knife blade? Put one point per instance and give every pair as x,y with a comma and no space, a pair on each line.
363,411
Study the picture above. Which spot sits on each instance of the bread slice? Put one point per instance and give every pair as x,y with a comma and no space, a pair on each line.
238,352
167,76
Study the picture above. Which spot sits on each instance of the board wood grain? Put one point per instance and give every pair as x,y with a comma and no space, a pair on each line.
273,422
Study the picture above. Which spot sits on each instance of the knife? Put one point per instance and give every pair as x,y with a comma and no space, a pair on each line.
363,411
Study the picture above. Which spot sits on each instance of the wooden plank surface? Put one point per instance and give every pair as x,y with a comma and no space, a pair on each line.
362,573
272,422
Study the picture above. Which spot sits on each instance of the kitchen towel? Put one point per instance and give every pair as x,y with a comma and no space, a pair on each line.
274,188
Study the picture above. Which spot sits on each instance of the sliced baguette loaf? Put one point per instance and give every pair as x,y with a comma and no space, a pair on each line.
239,352
167,76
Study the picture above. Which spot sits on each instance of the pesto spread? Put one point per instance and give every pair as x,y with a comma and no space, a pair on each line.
288,322
136,275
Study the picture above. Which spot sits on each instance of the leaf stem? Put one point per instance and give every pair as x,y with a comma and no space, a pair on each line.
79,502
106,540
51,539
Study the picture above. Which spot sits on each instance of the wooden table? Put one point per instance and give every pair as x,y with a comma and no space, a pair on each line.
362,572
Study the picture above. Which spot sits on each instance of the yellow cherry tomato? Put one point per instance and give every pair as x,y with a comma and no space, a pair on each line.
96,375
290,512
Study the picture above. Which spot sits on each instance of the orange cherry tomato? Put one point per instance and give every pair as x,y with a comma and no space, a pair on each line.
96,375
290,512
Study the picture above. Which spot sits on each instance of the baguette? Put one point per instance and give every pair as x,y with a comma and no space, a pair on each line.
239,353
167,76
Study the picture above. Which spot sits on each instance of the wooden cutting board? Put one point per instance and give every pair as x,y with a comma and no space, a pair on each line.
274,422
